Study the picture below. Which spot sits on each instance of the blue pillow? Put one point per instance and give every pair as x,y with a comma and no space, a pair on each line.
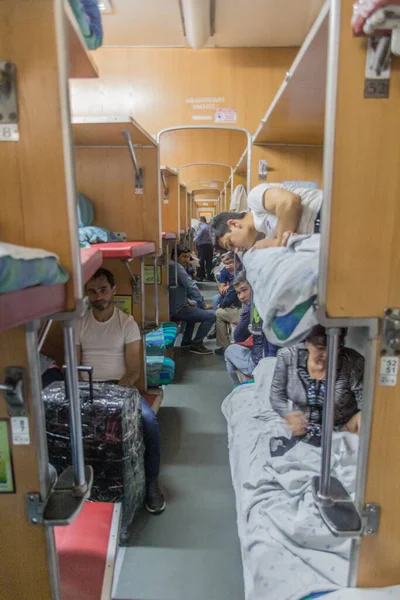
85,211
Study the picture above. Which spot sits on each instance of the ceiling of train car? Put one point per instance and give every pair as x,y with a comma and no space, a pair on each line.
238,23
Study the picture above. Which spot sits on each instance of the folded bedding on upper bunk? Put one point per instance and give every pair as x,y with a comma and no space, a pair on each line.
284,282
22,267
287,551
95,235
88,16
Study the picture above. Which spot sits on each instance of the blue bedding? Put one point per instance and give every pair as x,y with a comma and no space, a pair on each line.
17,274
95,235
88,16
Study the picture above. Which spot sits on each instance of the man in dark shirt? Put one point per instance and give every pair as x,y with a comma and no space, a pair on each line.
187,304
241,358
229,307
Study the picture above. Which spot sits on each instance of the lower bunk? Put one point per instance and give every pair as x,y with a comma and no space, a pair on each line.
287,551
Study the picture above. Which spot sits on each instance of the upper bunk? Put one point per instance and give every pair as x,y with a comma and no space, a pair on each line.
296,115
80,61
169,200
37,284
116,164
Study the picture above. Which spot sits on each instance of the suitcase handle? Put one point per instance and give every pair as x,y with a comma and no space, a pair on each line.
89,370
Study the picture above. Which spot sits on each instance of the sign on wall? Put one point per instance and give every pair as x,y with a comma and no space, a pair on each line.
124,303
225,115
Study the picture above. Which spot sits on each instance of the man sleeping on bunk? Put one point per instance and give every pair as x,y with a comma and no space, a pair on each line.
298,390
276,211
109,341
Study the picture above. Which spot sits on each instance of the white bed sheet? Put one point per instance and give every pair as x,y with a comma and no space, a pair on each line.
282,279
287,551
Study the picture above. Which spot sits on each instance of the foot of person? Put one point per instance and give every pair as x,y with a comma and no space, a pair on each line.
185,344
220,351
212,336
200,349
155,500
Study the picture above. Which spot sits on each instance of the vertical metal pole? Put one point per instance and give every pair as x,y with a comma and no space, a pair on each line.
78,461
249,150
333,334
155,259
176,263
167,261
142,291
31,339
43,334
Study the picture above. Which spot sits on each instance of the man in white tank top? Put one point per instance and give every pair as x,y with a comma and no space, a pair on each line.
109,340
276,210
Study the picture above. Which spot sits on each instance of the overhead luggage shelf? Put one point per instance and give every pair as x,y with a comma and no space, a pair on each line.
125,250
22,306
296,115
81,64
241,167
107,131
91,260
168,170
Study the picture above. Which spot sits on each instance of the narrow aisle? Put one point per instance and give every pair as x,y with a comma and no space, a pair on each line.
191,552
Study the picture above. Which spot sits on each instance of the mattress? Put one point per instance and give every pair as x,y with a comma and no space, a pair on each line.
287,551
22,268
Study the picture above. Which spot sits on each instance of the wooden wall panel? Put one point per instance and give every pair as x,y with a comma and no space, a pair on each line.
363,270
106,176
34,200
208,172
187,146
153,84
364,258
286,163
24,572
170,218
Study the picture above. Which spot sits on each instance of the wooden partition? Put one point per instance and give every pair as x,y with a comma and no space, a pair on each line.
363,270
36,199
185,146
105,173
288,163
183,209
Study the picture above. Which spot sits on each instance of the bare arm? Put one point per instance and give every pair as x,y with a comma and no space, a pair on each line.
132,361
287,207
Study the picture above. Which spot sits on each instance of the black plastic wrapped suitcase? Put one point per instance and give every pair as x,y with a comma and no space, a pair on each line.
112,439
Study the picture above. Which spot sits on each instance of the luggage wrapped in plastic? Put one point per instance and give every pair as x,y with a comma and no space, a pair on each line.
112,439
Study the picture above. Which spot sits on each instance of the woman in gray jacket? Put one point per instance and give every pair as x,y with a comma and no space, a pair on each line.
299,385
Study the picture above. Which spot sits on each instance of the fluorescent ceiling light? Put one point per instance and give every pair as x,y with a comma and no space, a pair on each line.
196,19
105,6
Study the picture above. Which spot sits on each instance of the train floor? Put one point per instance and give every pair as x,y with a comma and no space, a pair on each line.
191,551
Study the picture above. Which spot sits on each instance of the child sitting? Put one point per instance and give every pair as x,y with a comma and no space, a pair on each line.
240,358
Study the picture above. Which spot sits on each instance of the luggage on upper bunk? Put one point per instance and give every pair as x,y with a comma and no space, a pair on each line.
112,440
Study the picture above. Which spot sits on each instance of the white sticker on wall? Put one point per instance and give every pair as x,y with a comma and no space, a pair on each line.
202,117
20,431
388,370
225,115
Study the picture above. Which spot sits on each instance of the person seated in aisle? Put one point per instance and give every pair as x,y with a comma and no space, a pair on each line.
241,358
226,276
187,304
227,314
299,387
205,250
49,370
109,340
276,211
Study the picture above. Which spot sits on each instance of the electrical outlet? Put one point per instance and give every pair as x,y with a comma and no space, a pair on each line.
121,235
